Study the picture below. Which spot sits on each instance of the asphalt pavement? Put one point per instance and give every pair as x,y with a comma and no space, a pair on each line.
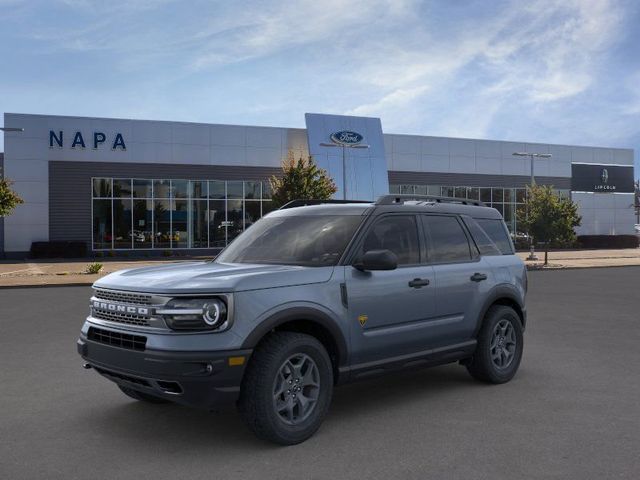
572,411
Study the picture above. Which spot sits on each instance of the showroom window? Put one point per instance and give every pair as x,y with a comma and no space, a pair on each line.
135,213
509,202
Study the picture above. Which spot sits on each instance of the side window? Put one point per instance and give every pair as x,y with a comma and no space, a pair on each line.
484,243
397,233
497,232
448,242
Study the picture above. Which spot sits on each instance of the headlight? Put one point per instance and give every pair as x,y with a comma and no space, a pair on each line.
195,314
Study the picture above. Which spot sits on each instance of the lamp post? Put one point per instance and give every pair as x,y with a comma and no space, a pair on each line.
344,161
532,254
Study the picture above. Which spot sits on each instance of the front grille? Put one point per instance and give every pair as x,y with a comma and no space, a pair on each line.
124,297
117,339
128,318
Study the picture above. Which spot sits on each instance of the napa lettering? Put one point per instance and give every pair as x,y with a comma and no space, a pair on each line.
78,140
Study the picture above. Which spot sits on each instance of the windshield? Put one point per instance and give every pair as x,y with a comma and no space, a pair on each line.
313,241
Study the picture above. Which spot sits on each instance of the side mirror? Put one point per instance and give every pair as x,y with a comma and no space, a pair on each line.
377,260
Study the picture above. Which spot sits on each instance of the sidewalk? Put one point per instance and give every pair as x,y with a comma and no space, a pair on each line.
585,258
71,272
15,273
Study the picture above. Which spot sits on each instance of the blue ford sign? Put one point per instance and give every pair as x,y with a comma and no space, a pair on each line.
346,137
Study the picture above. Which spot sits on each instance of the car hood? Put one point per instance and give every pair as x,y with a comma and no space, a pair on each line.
207,277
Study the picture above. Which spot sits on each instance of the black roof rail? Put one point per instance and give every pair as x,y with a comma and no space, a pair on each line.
305,203
401,198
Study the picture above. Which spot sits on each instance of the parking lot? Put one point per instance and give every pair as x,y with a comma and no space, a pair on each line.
573,410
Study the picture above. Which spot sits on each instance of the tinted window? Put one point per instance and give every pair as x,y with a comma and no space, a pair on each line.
498,233
313,240
484,243
448,242
398,234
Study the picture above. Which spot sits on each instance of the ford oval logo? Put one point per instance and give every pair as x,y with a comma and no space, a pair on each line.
346,137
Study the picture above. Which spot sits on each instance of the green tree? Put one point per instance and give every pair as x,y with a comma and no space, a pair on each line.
8,198
301,179
548,217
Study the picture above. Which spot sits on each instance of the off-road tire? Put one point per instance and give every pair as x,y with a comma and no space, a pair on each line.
481,366
141,396
256,402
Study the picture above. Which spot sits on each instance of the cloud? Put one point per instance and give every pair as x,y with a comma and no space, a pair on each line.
540,69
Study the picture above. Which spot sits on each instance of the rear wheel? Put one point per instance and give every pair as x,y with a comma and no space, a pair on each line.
500,345
287,388
141,396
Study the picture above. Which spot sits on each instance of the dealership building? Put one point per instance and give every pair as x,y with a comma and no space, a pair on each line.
138,185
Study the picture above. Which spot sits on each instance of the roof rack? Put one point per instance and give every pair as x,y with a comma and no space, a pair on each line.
304,203
402,198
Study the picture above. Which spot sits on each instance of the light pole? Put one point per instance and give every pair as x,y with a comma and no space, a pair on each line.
344,161
532,254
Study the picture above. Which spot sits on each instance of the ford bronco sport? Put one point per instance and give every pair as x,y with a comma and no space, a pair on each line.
310,297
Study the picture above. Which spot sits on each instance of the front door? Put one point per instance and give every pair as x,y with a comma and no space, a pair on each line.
389,311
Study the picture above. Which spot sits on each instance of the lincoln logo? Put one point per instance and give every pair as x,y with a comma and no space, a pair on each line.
346,137
604,175
112,307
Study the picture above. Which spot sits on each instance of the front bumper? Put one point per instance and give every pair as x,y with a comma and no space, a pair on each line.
196,379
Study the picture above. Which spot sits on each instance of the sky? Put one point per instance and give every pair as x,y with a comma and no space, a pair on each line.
538,70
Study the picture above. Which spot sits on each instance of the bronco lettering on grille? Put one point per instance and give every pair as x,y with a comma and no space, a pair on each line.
112,307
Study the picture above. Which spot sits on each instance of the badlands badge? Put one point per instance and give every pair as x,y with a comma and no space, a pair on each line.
362,319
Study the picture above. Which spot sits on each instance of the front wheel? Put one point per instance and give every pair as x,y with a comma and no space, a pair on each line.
287,388
500,344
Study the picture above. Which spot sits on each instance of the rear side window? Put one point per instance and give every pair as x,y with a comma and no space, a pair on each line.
497,232
447,241
484,243
397,233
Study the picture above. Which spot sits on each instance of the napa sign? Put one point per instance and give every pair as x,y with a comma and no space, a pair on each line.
95,141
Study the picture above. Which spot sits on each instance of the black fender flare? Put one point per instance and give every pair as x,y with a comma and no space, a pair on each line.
499,292
300,313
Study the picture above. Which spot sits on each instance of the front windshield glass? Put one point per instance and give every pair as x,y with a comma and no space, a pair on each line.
313,240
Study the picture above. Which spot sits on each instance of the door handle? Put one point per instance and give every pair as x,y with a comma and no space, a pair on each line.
478,277
418,282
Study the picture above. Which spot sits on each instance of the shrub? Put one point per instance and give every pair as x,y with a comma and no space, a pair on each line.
93,268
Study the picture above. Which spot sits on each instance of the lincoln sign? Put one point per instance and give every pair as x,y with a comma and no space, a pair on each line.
606,178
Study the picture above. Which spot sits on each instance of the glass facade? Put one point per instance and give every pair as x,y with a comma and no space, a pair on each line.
508,201
133,213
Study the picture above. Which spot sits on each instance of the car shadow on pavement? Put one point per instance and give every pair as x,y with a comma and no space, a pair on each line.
148,424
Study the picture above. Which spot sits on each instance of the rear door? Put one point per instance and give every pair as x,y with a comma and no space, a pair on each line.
462,277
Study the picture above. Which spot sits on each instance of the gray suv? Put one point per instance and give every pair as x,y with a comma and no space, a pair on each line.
310,297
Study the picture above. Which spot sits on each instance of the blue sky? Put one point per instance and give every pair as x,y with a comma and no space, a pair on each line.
551,71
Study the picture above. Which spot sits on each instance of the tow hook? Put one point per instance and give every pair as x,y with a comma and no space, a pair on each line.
86,366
